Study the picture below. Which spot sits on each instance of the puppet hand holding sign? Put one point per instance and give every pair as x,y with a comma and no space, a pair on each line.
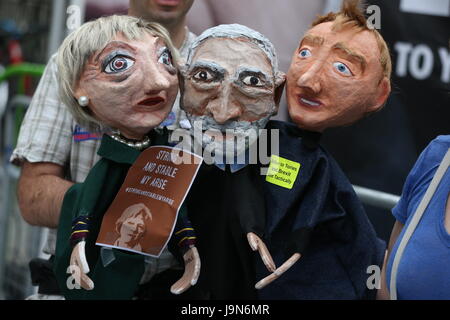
339,74
116,72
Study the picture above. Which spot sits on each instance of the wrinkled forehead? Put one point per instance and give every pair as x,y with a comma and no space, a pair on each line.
145,36
231,54
146,41
360,42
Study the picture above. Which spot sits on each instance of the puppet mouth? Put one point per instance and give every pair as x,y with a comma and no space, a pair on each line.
152,101
308,102
171,3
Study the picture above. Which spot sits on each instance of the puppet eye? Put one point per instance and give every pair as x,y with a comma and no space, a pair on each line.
342,68
118,64
253,81
203,75
305,53
166,57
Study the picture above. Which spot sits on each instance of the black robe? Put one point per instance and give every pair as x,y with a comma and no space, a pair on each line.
223,207
322,218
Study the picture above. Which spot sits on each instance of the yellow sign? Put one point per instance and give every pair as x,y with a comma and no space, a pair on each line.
282,172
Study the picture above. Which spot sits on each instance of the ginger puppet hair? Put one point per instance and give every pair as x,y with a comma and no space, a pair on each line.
352,15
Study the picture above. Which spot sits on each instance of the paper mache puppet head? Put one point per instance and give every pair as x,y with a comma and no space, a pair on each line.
339,73
118,72
230,84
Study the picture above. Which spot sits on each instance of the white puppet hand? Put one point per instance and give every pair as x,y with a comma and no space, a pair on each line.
257,244
79,266
279,271
191,272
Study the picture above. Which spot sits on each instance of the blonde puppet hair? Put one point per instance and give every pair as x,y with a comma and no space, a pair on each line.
91,37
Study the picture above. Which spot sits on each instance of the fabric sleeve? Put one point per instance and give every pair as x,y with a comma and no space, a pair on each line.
46,131
420,177
85,203
183,235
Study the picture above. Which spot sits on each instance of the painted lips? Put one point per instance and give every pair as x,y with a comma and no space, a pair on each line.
152,101
303,100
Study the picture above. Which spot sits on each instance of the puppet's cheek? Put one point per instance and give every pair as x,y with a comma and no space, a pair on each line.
104,96
295,72
106,112
173,89
195,101
292,87
352,101
255,107
294,108
257,111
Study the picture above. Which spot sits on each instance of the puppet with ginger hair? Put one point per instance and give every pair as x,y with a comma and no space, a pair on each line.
116,72
339,74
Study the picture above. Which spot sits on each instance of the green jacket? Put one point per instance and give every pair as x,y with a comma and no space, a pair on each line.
120,278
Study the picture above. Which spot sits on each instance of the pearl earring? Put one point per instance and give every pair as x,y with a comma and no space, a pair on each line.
83,101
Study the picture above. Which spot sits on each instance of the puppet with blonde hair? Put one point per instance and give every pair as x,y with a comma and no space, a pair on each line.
118,73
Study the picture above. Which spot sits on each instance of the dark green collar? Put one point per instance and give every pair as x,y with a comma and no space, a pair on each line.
121,153
117,151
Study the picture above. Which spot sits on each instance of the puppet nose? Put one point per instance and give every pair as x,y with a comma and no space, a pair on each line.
311,79
155,80
224,108
160,82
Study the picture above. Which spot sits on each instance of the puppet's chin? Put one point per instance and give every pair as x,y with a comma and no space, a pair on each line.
228,142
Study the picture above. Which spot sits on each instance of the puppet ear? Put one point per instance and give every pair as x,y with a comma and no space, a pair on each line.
182,74
79,91
181,63
182,68
181,80
383,91
280,81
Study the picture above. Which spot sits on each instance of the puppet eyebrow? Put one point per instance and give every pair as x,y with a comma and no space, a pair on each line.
244,71
115,44
213,67
351,55
312,40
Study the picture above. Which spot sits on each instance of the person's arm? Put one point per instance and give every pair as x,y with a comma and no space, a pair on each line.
383,292
40,193
43,148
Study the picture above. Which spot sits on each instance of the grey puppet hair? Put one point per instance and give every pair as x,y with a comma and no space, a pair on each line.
237,31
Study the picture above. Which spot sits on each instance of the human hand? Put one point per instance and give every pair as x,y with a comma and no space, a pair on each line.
79,266
191,272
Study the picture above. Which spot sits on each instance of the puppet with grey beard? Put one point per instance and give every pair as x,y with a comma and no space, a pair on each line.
230,87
